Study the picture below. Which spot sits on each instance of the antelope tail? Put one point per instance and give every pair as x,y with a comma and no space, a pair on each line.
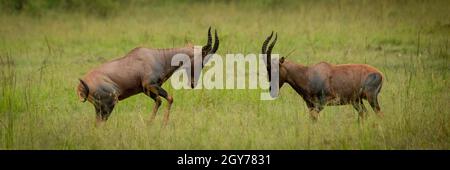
84,91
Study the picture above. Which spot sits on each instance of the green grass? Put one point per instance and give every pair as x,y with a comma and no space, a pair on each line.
42,56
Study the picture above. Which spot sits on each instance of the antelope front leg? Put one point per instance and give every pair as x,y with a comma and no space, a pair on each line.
169,99
166,115
361,109
163,93
158,102
313,111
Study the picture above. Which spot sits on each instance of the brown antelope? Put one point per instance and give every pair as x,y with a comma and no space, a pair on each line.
329,84
141,70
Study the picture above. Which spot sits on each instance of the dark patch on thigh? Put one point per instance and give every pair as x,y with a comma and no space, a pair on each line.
316,84
318,88
373,81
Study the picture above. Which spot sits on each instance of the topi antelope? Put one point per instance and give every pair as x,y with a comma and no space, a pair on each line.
328,84
141,70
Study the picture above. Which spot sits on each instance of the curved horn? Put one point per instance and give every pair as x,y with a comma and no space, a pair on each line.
269,58
264,47
216,43
269,50
207,47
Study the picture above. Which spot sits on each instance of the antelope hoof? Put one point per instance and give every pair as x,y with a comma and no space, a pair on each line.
151,121
99,123
314,116
380,115
165,123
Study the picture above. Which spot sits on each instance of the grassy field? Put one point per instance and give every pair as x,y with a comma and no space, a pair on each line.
44,52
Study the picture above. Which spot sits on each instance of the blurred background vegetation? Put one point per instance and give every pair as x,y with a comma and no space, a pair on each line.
101,8
96,7
105,8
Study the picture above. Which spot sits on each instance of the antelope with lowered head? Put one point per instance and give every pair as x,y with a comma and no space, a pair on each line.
329,84
141,70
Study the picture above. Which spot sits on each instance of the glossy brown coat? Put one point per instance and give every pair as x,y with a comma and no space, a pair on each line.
329,84
141,70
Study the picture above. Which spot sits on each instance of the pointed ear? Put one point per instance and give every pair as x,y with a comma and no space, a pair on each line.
282,60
